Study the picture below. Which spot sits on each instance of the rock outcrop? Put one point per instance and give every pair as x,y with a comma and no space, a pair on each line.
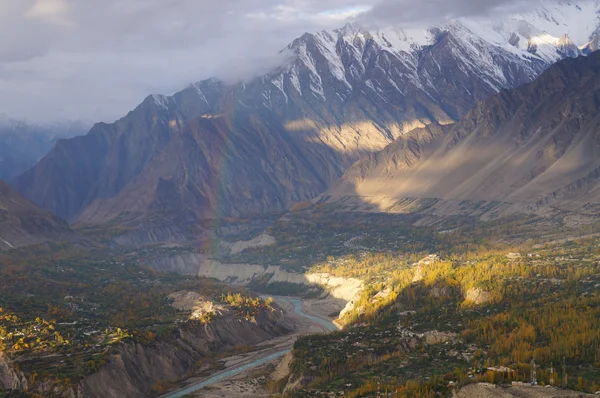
196,304
422,265
16,380
477,296
10,379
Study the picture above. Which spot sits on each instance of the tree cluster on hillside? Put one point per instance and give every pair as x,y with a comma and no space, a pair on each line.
541,304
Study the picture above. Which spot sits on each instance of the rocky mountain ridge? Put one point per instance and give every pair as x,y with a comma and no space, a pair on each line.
533,149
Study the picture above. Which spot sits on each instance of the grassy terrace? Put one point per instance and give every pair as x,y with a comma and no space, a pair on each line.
311,236
305,238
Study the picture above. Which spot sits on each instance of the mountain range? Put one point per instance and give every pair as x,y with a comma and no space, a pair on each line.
237,150
534,149
23,144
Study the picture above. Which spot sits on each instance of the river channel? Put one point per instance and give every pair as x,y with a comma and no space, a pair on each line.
298,309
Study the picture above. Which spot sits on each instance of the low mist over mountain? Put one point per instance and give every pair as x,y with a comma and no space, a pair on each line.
531,149
23,144
257,147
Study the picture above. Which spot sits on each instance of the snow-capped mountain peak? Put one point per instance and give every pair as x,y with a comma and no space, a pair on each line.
533,40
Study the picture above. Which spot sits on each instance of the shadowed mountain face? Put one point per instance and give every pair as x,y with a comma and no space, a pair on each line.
23,223
530,149
257,147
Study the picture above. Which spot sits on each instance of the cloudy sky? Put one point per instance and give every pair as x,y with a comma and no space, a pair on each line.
97,59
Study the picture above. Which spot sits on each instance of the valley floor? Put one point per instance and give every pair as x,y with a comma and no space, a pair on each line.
246,375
